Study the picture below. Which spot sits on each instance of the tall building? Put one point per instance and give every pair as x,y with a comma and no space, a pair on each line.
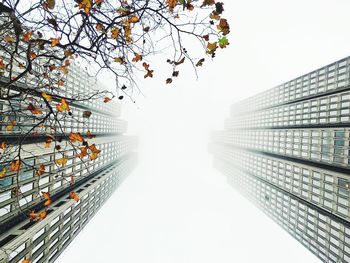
287,150
93,181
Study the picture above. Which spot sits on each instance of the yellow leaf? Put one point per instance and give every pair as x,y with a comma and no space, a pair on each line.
46,96
115,33
10,125
64,106
9,39
55,41
62,161
3,172
86,6
133,19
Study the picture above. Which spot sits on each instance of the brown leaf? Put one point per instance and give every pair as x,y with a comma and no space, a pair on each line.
87,114
34,110
41,170
168,80
74,137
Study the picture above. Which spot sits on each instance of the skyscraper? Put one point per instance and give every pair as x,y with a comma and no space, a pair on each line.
78,186
287,150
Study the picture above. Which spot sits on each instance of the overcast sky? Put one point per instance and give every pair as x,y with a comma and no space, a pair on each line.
174,207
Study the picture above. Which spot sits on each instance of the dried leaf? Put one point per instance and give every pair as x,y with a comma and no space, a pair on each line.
85,5
10,125
46,96
115,33
3,172
106,99
41,170
34,110
90,135
83,152
200,62
87,114
149,73
74,196
42,215
224,26
55,41
3,146
168,80
27,36
133,19
15,166
62,161
64,106
137,57
50,4
74,137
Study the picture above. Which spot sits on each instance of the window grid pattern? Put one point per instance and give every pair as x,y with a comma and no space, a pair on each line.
97,123
330,146
327,110
327,79
67,219
326,189
30,185
325,237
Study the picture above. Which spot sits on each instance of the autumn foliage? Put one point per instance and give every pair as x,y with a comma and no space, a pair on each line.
41,40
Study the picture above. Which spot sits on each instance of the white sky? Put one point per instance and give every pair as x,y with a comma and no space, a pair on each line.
175,207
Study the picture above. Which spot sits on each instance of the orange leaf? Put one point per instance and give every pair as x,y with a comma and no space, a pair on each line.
75,196
33,55
63,106
107,99
33,109
55,41
46,96
73,137
42,215
171,4
137,57
94,149
62,161
115,33
10,126
15,166
3,172
3,146
32,216
83,152
41,170
25,261
86,6
93,156
27,36
46,195
133,19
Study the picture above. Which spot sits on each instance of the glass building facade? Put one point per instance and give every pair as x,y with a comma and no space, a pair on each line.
287,150
94,181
